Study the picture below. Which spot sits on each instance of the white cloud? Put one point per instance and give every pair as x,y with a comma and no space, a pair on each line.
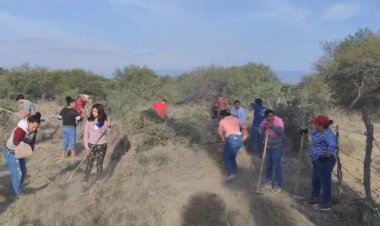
341,11
283,11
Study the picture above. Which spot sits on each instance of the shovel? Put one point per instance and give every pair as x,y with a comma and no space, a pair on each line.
295,195
259,181
85,157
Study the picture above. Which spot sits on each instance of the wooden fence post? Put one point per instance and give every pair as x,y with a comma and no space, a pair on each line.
368,153
339,172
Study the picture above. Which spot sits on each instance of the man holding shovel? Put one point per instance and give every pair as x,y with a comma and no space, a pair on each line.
229,132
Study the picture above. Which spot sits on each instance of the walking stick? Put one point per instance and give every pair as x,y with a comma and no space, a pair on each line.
8,111
339,172
258,186
85,157
295,195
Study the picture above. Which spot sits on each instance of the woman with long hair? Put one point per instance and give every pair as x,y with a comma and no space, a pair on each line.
95,141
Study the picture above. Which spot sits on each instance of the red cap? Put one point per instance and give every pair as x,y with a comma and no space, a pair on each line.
322,120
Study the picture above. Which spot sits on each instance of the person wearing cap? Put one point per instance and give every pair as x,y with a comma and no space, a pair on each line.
27,108
239,112
70,118
273,126
323,157
229,132
80,104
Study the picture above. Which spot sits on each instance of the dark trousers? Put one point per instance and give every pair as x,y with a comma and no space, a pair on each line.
321,180
98,152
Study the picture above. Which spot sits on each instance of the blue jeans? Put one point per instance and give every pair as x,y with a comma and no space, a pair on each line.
231,149
273,166
17,167
322,171
69,138
257,144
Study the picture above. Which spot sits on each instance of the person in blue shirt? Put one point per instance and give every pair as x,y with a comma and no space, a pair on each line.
239,112
323,156
258,117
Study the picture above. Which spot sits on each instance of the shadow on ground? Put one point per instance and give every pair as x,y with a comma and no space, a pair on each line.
204,209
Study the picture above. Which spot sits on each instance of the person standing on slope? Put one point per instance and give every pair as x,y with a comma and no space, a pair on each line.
258,117
27,108
230,133
219,105
239,112
26,132
80,105
70,118
323,156
95,142
274,127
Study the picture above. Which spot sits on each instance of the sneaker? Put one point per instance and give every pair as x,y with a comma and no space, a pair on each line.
276,189
230,177
267,185
311,202
322,207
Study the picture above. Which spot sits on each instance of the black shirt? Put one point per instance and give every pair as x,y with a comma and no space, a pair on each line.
68,116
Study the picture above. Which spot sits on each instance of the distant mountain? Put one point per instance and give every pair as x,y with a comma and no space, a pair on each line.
292,77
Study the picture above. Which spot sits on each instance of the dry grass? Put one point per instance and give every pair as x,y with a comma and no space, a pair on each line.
153,177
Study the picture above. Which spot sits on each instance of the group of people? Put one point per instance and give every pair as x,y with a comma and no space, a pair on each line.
24,134
268,128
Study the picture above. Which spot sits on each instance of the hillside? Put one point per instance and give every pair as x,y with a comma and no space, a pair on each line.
178,183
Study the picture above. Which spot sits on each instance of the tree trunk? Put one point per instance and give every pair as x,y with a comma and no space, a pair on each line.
357,98
368,153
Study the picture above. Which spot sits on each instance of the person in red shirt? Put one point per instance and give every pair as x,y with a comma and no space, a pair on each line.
161,109
80,104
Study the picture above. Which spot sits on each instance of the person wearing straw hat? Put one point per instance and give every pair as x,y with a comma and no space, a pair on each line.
95,142
230,133
274,126
22,140
323,156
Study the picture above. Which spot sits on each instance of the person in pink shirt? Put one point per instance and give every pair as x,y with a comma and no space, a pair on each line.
229,132
95,141
274,127
220,105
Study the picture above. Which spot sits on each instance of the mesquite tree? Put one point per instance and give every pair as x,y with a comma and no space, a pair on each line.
352,66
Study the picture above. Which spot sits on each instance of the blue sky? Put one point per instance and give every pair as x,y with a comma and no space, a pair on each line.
100,35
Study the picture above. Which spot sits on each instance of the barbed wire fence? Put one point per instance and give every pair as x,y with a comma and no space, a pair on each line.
369,212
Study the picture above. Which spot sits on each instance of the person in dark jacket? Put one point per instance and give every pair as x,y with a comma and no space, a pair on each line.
258,117
69,117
